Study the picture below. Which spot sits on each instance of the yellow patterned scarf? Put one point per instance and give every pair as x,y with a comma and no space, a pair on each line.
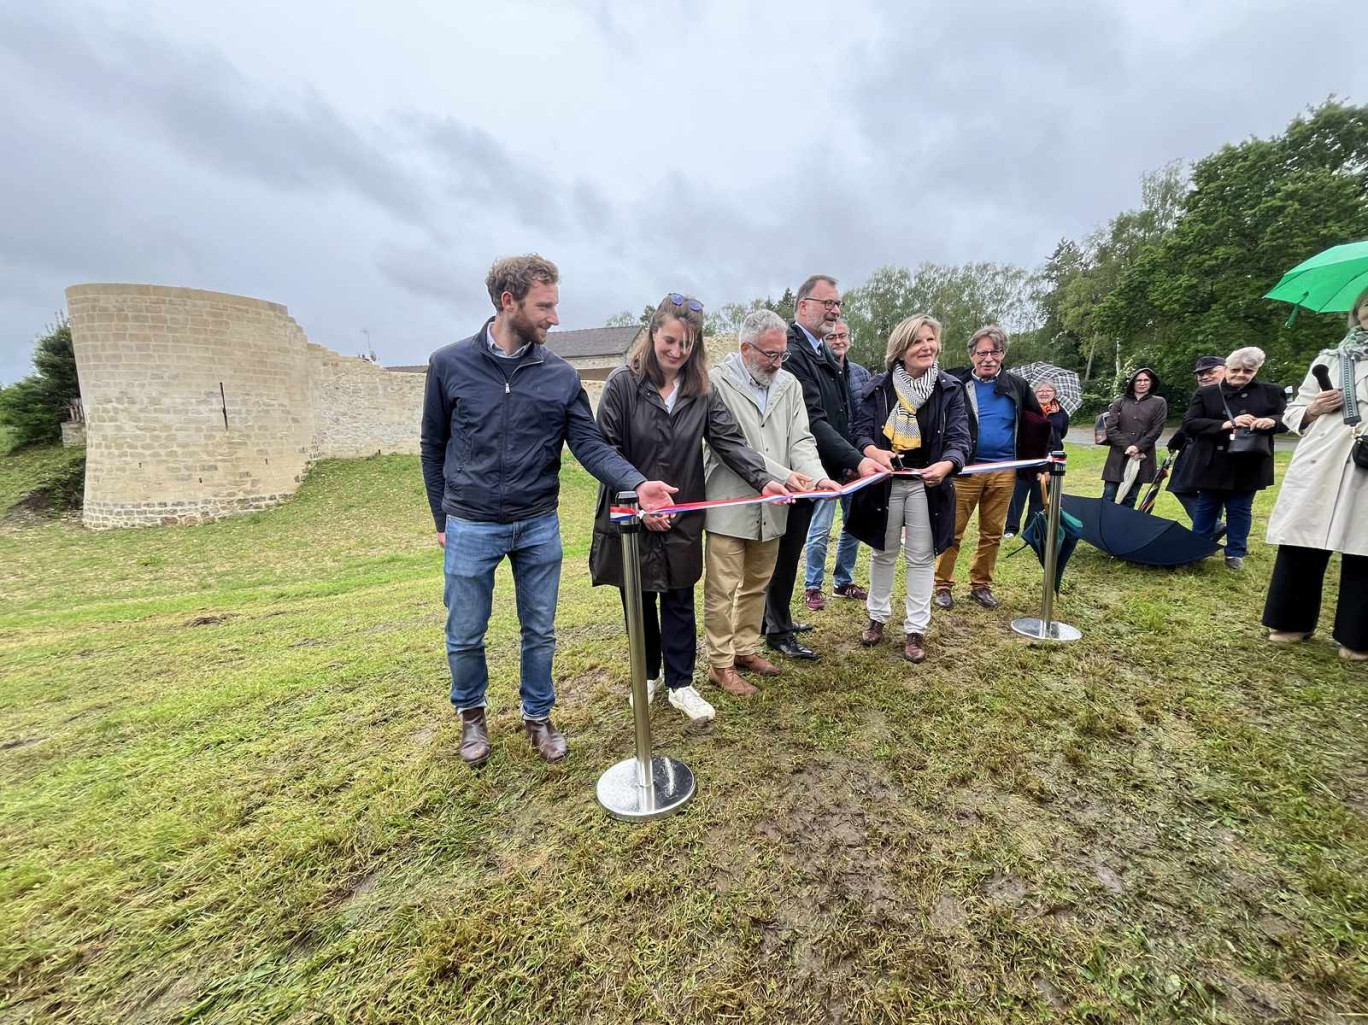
901,427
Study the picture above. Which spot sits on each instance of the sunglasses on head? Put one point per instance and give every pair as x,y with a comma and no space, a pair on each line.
681,300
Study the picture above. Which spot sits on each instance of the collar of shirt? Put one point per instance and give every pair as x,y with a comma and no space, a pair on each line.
813,340
985,380
497,351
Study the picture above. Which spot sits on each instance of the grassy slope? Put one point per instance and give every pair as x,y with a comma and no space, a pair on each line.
230,792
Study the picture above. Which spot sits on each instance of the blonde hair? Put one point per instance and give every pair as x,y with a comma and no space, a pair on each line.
903,334
1353,310
1249,358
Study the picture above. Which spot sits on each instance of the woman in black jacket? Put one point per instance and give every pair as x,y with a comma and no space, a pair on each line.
1226,479
917,412
657,411
1027,496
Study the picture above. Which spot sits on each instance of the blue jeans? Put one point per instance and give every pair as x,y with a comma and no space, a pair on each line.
1110,488
819,535
1239,517
473,552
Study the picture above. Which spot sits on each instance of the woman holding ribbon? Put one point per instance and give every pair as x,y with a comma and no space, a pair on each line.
1323,505
916,411
658,410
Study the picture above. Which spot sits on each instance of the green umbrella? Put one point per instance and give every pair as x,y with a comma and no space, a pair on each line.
1329,282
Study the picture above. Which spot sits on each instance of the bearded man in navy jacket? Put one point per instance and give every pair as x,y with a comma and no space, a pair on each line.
498,407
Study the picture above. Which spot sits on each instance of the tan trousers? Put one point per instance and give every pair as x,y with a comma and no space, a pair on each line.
991,494
738,571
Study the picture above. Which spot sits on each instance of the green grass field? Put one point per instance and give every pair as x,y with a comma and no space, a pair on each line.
230,792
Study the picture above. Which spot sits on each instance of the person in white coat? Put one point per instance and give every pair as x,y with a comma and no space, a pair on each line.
1323,505
743,541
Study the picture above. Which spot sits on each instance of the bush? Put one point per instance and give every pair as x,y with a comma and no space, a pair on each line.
34,408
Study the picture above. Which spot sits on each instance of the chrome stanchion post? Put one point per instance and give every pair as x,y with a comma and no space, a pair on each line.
1046,628
647,786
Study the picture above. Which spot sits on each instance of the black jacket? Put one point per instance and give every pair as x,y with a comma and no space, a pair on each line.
826,391
944,424
634,420
1008,384
1207,464
493,429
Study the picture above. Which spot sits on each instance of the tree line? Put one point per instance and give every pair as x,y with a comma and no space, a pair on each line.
1182,275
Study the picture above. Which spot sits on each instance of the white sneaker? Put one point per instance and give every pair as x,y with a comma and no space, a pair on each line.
691,703
651,687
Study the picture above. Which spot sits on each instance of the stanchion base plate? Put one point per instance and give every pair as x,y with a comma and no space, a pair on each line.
624,798
1036,630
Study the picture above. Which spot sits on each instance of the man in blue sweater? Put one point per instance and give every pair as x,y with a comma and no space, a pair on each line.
996,402
498,407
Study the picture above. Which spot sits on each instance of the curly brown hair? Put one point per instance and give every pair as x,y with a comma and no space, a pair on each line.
517,274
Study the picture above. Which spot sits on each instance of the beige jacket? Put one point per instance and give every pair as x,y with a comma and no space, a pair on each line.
1324,498
780,435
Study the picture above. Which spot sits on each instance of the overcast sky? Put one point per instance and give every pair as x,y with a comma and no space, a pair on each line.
364,163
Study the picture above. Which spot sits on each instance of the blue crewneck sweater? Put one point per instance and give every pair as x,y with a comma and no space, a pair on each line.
996,423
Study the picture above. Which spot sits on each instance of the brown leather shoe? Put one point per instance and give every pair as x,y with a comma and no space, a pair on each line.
984,596
943,599
549,741
474,737
914,650
756,664
732,682
873,634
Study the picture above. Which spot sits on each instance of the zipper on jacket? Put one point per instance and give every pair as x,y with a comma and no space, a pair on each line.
503,435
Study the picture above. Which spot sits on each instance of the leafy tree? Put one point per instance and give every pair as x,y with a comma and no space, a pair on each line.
622,319
35,407
1254,211
963,298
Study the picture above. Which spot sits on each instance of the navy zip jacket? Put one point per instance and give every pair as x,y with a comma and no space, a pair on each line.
493,430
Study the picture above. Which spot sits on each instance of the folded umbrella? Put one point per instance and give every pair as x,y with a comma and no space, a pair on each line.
1146,504
1128,476
1070,530
1135,536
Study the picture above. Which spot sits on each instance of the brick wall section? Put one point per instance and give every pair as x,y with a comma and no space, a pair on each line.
158,368
73,434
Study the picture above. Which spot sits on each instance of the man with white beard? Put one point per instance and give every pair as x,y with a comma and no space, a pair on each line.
743,541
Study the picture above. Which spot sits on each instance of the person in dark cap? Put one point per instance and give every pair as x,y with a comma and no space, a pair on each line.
1207,370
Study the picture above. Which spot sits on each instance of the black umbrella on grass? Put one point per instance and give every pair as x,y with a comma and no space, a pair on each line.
1137,537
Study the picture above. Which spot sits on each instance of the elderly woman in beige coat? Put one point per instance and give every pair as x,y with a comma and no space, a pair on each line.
1323,505
743,541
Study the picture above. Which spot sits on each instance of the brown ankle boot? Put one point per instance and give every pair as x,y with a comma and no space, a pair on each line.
549,741
474,737
873,634
914,650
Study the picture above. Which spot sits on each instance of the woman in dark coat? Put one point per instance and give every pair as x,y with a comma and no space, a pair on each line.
918,412
1134,423
657,411
1027,496
1226,479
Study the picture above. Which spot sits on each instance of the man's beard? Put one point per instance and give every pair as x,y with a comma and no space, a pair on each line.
822,329
524,330
763,377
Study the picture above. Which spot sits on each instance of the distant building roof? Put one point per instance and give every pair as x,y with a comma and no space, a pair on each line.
593,341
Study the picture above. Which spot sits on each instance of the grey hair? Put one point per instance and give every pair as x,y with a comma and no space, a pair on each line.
806,289
992,331
1248,358
758,323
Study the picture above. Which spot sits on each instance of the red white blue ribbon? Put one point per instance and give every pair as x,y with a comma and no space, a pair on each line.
620,513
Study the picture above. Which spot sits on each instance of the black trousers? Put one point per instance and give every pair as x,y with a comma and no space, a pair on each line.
671,633
1294,595
779,595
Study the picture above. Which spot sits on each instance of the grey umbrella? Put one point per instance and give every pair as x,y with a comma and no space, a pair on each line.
1066,383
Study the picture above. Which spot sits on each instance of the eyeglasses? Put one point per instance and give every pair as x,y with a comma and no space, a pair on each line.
779,356
996,353
680,300
827,304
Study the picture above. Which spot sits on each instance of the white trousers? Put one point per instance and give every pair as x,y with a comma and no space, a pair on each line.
906,509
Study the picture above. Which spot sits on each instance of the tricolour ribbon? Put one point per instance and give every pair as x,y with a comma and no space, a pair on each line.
620,513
